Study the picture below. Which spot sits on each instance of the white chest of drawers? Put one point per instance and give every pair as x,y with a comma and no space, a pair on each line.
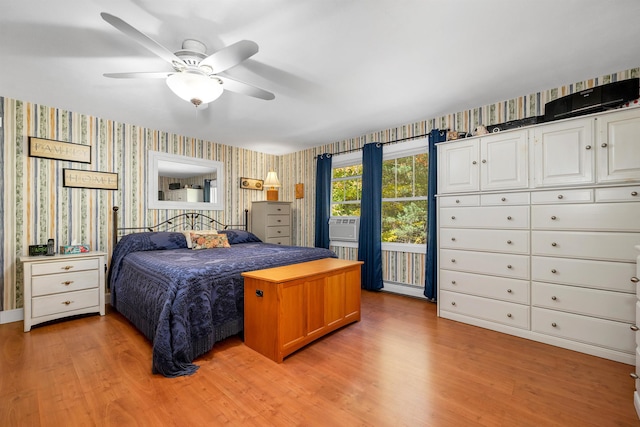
62,285
271,221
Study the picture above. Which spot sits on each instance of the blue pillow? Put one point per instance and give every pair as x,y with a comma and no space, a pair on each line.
240,236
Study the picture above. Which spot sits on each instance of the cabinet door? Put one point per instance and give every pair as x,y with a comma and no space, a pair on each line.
563,153
503,161
619,146
458,167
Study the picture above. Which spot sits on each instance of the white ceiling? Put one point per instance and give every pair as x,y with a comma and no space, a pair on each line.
339,68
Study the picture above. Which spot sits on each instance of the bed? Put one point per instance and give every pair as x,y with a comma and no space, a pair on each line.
185,300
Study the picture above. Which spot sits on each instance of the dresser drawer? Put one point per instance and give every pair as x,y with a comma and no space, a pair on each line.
594,245
510,241
279,240
278,209
485,217
618,194
592,302
64,302
278,231
64,266
614,276
596,216
513,290
507,313
505,265
471,200
504,199
64,282
278,220
562,196
590,330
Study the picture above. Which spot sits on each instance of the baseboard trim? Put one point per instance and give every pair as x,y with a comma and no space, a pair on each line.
10,316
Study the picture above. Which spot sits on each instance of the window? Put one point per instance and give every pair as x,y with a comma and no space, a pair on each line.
404,190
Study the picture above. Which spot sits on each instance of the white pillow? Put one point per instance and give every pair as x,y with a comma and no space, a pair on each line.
187,234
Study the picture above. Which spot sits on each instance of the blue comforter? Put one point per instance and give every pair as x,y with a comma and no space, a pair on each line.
185,300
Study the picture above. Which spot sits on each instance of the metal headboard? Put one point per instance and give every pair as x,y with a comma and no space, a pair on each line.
185,221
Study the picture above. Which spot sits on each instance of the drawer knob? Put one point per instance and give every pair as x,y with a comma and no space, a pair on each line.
554,244
553,217
588,147
457,200
554,324
453,239
554,271
67,302
634,327
67,267
634,193
474,163
453,303
509,218
279,231
504,199
509,266
453,282
560,196
604,145
635,279
633,375
554,298
453,217
453,260
484,160
509,291
67,283
508,242
509,315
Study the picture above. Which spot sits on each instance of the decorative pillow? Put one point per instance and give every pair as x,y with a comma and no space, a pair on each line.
187,234
240,236
208,241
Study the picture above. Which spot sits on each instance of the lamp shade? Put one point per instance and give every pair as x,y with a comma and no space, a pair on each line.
272,180
195,87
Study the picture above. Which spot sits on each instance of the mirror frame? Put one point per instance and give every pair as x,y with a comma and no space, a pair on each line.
154,157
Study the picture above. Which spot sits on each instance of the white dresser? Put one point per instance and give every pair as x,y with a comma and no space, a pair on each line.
63,285
271,221
636,327
537,229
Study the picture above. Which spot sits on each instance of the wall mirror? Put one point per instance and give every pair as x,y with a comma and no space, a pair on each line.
181,182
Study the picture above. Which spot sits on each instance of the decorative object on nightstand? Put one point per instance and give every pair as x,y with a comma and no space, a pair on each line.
60,286
272,183
271,221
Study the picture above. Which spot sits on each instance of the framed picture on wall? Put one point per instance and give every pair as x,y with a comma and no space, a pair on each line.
251,184
90,179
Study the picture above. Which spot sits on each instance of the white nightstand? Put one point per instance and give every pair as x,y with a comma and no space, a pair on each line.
62,285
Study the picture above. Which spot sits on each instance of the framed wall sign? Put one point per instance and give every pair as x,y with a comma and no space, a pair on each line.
58,150
251,184
90,179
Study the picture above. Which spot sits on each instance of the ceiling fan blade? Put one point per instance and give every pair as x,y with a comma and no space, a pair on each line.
141,75
245,89
144,40
230,56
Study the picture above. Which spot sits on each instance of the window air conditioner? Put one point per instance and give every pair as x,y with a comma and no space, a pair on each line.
344,228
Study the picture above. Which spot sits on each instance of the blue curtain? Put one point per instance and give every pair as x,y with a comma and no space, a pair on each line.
431,261
323,200
369,243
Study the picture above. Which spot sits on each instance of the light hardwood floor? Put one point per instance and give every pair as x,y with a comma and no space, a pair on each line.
399,366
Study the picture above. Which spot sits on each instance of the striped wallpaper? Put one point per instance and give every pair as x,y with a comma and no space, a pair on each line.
34,205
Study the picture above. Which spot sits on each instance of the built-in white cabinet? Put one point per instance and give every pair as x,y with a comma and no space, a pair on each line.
552,259
492,162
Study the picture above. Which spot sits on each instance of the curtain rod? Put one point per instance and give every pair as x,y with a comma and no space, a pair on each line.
379,143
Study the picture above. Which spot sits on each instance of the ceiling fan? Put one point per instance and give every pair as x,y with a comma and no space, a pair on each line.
195,76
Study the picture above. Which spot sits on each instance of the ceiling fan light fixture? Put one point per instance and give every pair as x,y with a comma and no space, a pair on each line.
195,87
